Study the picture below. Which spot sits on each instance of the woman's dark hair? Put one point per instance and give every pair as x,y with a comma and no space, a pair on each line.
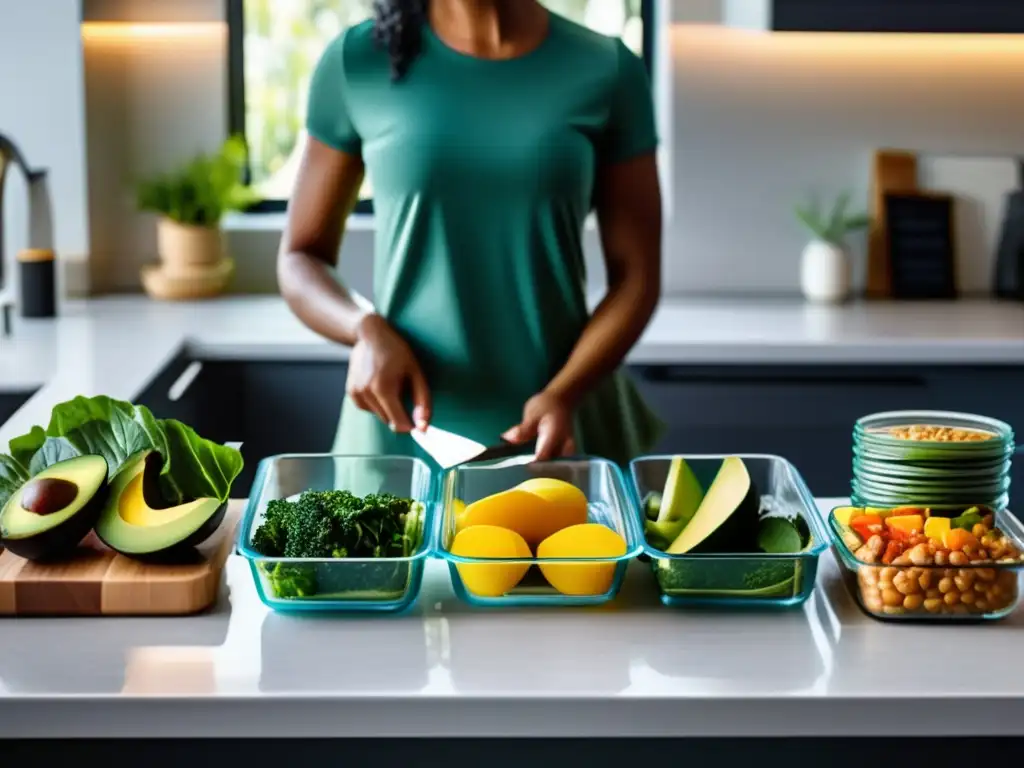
398,27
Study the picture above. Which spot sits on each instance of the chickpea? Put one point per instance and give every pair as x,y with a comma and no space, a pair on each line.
987,574
964,580
902,560
958,558
908,587
884,585
933,594
945,585
876,545
959,610
865,555
994,591
919,555
941,557
913,602
951,598
968,597
1007,579
869,576
979,530
933,604
981,605
892,597
888,574
893,610
925,579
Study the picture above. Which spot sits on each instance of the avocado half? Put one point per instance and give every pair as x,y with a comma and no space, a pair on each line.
131,525
47,518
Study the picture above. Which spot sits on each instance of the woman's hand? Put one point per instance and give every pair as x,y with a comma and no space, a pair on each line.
548,418
381,366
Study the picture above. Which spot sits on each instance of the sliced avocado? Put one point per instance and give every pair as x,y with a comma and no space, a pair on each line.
49,515
132,525
727,519
682,494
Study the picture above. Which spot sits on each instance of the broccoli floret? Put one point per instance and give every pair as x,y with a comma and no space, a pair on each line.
288,580
332,524
269,538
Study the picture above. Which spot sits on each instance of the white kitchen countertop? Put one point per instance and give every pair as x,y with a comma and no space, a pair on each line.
115,346
633,668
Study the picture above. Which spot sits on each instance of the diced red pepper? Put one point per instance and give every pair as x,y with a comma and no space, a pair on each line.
892,550
867,526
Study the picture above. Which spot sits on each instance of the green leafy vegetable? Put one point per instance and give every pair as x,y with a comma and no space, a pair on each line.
339,524
12,475
193,468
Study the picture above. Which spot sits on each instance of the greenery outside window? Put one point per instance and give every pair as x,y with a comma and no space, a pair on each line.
275,45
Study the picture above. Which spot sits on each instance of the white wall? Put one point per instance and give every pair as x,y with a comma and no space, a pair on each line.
753,123
762,120
42,110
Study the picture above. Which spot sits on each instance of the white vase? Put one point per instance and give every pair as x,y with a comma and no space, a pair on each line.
825,272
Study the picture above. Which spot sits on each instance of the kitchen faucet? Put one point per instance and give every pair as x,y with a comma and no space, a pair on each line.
34,177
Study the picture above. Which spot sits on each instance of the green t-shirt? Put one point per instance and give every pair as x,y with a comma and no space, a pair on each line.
483,174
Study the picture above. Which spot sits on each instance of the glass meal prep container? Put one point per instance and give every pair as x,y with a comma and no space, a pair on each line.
607,503
931,574
338,584
934,434
736,579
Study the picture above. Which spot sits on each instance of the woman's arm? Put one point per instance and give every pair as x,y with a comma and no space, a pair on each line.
325,193
381,365
628,201
628,198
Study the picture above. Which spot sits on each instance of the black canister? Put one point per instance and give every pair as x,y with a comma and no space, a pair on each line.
38,268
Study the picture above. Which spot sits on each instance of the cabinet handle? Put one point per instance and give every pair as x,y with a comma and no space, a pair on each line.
181,384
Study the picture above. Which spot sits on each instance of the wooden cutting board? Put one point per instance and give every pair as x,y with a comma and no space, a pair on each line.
99,582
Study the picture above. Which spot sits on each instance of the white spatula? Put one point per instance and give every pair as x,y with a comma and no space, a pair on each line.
450,450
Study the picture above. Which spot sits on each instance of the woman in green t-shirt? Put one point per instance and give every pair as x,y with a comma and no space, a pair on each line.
490,129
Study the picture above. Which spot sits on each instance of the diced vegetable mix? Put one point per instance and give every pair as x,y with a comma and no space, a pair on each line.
919,562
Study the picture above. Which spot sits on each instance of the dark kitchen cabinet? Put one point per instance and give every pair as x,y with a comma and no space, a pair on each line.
10,402
913,16
804,413
271,407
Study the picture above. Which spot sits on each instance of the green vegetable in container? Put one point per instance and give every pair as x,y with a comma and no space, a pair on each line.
335,525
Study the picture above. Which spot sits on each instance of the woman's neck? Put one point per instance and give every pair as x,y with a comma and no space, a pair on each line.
491,29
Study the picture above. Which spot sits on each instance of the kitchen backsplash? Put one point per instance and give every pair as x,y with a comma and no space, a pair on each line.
755,123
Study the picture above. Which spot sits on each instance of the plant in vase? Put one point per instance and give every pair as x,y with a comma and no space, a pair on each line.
191,203
825,265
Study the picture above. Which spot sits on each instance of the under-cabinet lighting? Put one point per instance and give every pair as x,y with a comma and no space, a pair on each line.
130,30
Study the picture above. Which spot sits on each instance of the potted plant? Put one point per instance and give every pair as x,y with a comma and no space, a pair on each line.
191,202
825,265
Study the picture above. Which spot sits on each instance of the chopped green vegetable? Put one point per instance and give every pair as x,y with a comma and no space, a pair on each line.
745,576
338,524
652,505
967,520
733,578
777,535
335,525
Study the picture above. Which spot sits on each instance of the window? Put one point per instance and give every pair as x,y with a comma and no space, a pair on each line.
275,44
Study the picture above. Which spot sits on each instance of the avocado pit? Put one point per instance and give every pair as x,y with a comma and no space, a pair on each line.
48,495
